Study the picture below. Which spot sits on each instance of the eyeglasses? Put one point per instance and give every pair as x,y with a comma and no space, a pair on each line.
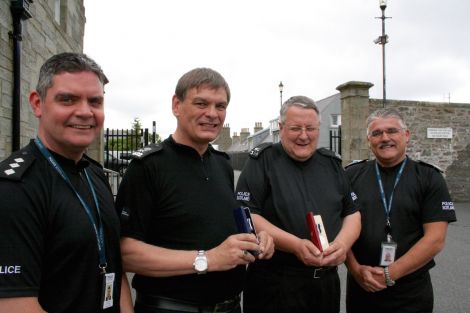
389,131
299,129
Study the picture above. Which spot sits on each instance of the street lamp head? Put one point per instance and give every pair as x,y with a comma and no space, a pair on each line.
383,4
281,86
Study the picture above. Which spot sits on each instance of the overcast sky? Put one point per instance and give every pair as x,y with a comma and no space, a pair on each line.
312,46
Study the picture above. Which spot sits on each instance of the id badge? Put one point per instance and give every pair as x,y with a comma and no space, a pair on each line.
387,256
108,290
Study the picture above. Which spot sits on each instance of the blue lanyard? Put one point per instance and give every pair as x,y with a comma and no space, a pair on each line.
388,207
97,226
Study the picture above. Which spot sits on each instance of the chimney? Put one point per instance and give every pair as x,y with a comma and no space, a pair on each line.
235,139
258,127
223,140
245,132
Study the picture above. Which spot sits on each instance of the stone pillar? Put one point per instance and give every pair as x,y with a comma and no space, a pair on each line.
354,112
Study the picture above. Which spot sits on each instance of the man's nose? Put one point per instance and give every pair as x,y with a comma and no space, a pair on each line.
84,108
211,110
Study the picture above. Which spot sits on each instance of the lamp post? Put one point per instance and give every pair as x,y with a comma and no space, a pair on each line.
382,40
281,87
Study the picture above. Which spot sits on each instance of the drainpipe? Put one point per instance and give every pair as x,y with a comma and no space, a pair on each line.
19,12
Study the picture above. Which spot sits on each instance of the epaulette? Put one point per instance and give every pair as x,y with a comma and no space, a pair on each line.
430,165
355,162
256,151
16,164
225,155
147,150
329,153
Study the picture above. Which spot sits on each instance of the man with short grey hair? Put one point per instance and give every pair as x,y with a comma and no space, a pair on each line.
406,208
282,183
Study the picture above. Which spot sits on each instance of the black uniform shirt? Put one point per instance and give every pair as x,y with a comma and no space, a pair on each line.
420,197
283,190
174,198
48,247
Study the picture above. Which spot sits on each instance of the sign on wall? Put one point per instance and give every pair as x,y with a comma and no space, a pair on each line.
445,133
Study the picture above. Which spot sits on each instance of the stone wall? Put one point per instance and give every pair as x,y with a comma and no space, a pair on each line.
42,36
451,155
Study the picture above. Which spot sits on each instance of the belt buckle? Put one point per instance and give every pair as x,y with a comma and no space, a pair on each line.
318,269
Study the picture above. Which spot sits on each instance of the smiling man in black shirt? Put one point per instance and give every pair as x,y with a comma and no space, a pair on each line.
406,208
59,232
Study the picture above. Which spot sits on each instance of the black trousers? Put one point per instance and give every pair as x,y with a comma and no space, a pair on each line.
412,294
281,289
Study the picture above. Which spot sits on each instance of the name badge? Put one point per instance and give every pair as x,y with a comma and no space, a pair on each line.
387,256
108,290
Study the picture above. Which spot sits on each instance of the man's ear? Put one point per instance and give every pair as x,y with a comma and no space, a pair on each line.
36,103
175,104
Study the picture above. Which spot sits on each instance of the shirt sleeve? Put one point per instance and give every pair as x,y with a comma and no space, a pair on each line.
21,241
437,204
134,201
251,186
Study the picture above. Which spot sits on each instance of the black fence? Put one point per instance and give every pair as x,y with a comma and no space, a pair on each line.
119,144
335,140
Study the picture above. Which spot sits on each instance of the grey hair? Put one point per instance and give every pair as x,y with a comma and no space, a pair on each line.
199,77
298,101
67,62
385,113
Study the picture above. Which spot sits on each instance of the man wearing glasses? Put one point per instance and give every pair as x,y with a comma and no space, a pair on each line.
281,183
406,208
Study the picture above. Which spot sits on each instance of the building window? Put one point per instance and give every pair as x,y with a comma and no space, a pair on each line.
57,11
335,120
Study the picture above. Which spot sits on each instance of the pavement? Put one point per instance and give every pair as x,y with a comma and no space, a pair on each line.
451,275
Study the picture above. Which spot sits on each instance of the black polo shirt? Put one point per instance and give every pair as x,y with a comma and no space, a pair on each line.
283,190
48,247
420,197
174,198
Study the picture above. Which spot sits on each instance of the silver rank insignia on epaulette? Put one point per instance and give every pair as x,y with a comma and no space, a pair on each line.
355,162
140,152
147,150
256,151
13,166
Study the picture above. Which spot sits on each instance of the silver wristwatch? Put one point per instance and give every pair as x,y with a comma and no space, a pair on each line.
200,262
388,280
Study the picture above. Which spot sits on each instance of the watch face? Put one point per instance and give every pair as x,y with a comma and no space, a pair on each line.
200,264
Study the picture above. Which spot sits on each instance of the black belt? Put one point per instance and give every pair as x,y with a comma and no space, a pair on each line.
304,271
319,272
186,306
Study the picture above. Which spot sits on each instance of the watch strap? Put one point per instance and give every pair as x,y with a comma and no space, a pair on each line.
388,279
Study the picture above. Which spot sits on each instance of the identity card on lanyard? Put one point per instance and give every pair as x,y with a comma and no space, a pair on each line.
389,247
108,278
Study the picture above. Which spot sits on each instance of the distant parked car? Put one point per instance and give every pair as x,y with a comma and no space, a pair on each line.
125,155
115,164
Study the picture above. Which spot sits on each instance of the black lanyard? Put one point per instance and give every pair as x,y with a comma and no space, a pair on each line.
97,225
